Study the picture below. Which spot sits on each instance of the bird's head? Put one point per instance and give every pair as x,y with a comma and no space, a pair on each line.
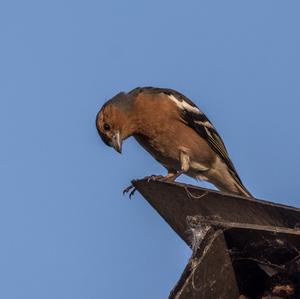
112,121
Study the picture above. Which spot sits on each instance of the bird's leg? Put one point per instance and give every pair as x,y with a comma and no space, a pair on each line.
185,165
184,161
173,175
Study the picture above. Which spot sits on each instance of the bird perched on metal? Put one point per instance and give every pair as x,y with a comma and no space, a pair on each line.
174,131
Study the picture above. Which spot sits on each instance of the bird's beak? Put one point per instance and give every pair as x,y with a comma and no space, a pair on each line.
116,142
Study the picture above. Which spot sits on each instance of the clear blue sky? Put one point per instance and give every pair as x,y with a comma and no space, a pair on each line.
66,231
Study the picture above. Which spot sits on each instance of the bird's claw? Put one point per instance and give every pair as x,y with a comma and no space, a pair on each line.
130,189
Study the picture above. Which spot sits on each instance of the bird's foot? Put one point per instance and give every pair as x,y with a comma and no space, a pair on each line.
159,178
153,178
131,189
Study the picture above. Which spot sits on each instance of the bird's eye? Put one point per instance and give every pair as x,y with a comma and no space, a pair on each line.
106,127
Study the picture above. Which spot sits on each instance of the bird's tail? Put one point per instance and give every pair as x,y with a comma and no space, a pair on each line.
239,186
227,180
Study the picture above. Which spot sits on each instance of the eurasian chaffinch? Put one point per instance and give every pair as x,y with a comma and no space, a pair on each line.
174,131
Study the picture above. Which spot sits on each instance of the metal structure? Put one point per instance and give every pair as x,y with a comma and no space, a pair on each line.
242,247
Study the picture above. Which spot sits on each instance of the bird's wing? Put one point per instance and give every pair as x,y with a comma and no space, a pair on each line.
201,124
197,120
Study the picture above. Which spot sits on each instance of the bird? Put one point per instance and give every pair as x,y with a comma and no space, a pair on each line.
170,127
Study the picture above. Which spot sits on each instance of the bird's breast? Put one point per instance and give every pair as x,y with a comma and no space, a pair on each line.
162,149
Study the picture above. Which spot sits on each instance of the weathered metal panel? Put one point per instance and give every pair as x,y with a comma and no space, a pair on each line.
241,246
174,202
209,273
